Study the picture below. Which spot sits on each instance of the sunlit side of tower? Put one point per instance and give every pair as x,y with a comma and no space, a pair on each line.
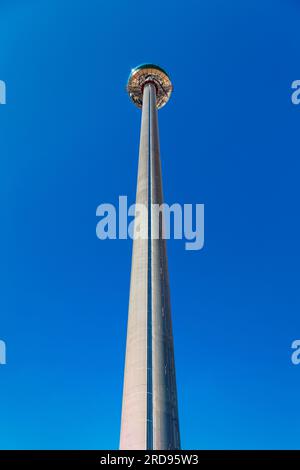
149,409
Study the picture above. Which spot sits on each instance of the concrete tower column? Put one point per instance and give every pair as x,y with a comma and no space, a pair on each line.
149,410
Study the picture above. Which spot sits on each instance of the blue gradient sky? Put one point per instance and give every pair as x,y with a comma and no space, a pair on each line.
69,141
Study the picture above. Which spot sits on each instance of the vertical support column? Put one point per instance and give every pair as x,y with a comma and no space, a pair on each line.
149,410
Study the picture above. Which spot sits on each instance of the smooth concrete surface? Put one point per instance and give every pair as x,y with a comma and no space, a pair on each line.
149,409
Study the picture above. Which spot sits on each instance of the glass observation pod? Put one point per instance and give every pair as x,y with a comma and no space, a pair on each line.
149,73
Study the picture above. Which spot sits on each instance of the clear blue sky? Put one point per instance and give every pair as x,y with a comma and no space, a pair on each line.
69,141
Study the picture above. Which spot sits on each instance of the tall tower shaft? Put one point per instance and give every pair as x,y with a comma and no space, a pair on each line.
149,410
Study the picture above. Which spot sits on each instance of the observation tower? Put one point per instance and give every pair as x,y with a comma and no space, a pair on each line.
149,409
